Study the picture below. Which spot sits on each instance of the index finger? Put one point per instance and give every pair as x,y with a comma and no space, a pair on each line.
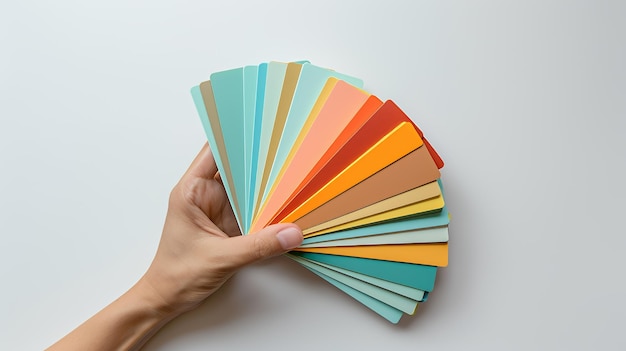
203,165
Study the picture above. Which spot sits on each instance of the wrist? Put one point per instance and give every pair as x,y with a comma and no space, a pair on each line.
163,303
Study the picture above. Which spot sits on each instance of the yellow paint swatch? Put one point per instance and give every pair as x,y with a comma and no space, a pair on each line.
424,192
430,205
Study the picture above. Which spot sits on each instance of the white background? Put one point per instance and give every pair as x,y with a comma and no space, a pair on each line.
525,101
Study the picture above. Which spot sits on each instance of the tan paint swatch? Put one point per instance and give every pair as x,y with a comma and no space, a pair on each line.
421,193
209,103
286,96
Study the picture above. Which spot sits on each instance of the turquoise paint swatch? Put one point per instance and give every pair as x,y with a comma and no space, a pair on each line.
250,79
256,135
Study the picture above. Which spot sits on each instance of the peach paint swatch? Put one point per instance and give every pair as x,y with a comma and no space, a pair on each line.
342,104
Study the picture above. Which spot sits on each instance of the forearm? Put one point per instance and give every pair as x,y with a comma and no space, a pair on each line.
125,324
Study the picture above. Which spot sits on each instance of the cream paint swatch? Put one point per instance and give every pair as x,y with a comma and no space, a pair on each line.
428,235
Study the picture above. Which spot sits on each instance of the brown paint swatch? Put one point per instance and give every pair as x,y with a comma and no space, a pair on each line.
413,170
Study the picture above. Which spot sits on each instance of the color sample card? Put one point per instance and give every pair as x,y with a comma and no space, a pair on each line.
299,143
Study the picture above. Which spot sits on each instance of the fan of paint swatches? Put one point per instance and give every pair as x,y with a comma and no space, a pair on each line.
303,144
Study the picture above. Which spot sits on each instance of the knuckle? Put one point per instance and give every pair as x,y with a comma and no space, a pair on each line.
185,192
263,247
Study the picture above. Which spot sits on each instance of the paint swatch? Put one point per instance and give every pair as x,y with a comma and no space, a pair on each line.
299,143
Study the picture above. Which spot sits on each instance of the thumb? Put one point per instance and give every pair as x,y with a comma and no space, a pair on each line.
267,242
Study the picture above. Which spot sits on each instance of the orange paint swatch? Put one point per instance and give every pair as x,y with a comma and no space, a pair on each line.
432,254
399,142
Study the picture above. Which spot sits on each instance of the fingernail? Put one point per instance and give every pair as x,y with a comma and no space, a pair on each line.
289,238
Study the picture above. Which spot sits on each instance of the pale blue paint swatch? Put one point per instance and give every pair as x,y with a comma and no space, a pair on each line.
389,313
411,293
390,298
426,235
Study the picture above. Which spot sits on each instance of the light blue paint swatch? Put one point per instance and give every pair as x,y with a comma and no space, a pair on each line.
437,219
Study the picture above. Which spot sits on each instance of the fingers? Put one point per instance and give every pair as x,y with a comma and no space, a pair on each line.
268,242
203,166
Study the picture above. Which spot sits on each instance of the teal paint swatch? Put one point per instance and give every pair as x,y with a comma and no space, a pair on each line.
414,275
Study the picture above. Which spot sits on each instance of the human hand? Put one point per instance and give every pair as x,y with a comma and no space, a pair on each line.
201,245
200,249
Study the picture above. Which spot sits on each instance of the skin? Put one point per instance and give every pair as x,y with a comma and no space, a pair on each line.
200,248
